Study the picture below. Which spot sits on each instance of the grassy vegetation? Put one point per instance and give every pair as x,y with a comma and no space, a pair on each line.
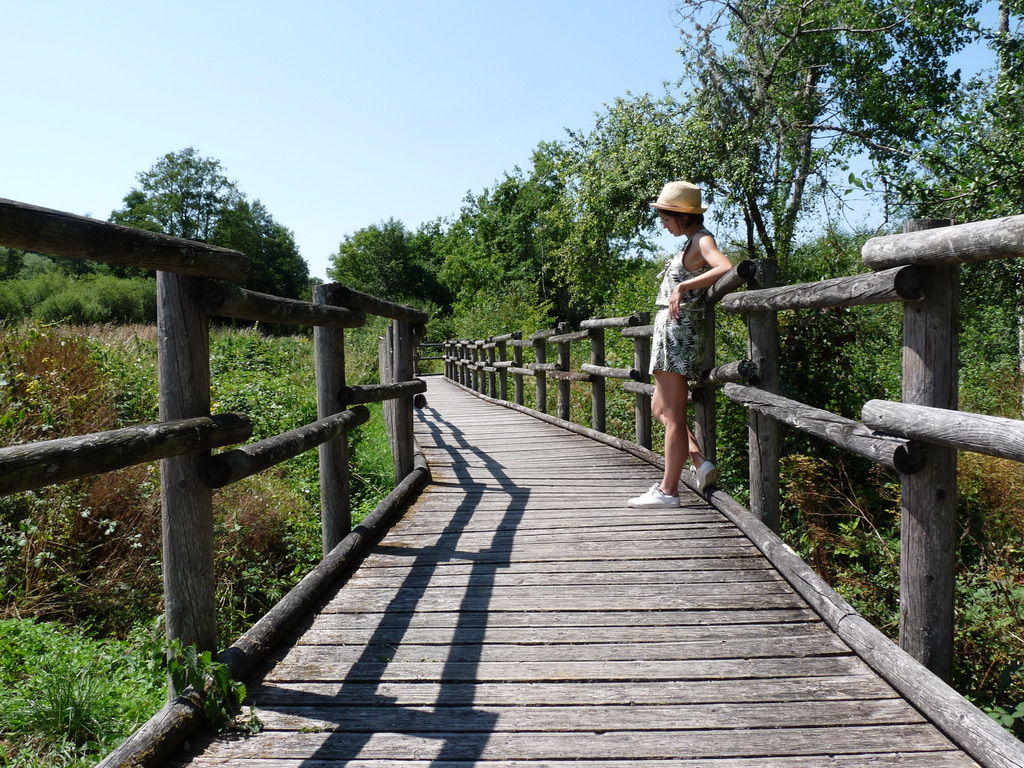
80,650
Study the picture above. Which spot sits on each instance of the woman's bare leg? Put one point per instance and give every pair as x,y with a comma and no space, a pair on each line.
671,391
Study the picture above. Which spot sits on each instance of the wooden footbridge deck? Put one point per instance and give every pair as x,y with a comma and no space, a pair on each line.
520,615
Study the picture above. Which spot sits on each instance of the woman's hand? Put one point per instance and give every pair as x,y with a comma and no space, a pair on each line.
675,300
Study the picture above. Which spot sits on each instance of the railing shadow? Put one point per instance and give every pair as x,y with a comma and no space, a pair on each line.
352,735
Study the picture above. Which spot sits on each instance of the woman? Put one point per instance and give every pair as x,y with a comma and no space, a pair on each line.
678,348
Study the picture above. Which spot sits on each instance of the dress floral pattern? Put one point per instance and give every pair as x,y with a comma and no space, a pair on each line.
679,344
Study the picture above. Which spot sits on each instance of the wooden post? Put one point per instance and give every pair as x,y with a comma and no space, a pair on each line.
517,362
564,385
704,400
502,372
386,367
540,350
597,383
928,518
405,344
764,437
186,502
642,362
492,375
478,375
335,502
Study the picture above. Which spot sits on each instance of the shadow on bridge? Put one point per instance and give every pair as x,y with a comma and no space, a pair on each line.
343,715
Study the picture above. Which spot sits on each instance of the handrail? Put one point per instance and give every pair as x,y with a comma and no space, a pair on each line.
186,298
45,230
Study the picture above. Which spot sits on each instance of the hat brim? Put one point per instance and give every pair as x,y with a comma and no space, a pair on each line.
677,208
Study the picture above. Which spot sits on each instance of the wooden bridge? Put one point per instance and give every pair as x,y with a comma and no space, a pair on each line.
520,615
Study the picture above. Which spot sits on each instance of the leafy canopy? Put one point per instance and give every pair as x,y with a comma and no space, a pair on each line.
186,195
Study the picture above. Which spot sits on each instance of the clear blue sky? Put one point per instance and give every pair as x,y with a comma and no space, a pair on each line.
336,115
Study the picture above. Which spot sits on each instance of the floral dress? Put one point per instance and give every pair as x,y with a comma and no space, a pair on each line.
679,344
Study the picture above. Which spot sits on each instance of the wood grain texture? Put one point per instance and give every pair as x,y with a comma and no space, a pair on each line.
521,615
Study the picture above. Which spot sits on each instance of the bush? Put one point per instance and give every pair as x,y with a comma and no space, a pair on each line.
52,297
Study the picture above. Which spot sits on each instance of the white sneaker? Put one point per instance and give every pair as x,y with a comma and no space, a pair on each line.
655,498
706,475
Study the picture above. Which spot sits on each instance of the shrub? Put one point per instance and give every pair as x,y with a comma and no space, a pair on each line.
69,306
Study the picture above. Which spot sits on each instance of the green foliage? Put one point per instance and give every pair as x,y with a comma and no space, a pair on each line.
222,694
609,175
785,94
185,195
69,698
87,554
514,306
387,261
53,297
373,468
275,264
844,521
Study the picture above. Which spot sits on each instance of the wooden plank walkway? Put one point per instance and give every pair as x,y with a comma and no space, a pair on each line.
520,615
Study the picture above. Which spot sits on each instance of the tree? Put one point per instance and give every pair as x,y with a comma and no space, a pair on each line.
276,266
183,195
509,235
785,93
607,178
188,196
387,261
11,262
970,165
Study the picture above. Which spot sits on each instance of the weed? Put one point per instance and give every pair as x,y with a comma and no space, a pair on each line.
222,694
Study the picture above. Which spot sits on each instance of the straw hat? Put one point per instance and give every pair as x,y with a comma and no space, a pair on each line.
681,197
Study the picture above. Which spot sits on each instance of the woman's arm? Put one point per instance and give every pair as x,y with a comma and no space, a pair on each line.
719,264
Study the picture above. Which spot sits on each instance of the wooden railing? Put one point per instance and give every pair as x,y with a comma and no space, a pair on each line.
187,297
918,437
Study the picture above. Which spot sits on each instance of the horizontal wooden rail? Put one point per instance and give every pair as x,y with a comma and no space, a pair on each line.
990,435
569,375
231,466
36,465
639,388
739,275
610,322
638,332
343,296
740,370
547,333
378,393
231,301
563,338
964,243
56,233
898,284
906,456
611,373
